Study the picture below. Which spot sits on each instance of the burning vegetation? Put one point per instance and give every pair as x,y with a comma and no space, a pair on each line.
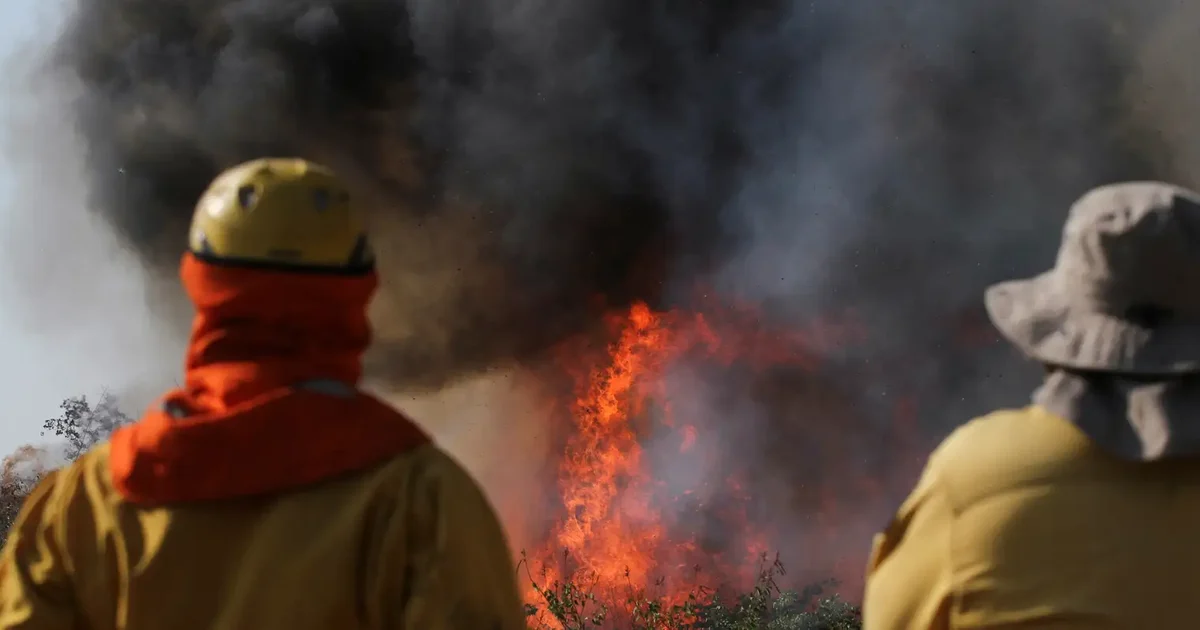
621,521
655,504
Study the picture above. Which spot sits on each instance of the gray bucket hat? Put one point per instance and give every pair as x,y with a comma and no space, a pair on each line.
1124,294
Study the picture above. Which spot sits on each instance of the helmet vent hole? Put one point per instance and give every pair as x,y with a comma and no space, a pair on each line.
247,196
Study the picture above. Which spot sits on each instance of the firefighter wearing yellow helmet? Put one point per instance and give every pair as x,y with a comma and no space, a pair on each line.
267,492
290,213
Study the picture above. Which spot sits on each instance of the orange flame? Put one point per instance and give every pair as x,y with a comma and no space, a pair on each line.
617,534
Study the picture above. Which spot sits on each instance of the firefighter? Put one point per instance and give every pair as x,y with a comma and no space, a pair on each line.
1080,510
268,492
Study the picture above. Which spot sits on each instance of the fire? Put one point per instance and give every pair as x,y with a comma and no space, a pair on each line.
624,529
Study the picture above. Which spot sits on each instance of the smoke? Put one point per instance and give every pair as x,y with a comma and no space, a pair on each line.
495,424
520,159
73,298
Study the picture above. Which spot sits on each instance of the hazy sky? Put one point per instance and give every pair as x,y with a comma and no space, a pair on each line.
52,346
28,387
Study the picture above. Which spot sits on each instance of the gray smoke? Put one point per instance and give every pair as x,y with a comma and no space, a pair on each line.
522,158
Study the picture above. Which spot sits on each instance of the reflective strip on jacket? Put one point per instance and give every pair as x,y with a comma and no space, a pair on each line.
1019,521
409,544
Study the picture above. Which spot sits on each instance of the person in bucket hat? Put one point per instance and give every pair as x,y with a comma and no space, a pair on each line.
268,492
1080,510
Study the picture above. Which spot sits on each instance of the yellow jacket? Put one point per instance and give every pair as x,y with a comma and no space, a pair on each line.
408,544
1019,521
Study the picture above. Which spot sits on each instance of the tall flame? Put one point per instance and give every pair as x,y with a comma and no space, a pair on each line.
622,531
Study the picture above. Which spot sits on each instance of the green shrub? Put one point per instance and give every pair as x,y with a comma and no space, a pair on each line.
764,607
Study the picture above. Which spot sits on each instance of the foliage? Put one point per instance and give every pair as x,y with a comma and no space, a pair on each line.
83,425
18,474
765,607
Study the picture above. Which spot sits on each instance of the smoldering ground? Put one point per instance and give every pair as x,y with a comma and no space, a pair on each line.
526,164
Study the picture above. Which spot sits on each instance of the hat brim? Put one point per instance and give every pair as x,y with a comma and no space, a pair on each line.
1032,315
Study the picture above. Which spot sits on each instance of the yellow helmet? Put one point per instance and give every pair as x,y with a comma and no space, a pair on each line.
280,212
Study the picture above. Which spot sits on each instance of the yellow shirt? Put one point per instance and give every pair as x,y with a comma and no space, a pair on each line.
409,544
1019,521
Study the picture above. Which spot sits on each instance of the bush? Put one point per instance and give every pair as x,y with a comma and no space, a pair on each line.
764,607
82,425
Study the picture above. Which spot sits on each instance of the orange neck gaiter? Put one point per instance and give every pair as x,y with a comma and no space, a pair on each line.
243,422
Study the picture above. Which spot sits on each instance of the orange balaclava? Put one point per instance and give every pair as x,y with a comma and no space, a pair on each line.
246,421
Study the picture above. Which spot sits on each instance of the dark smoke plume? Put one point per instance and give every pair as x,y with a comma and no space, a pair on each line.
522,157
